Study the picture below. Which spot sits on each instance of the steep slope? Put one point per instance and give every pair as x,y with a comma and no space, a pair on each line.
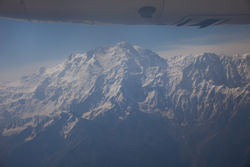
211,102
211,84
125,106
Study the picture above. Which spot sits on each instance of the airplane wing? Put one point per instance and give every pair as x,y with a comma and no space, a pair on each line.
200,13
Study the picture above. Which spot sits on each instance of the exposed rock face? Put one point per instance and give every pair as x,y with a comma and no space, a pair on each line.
126,106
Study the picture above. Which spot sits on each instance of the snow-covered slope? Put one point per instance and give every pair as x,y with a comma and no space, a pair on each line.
119,83
204,85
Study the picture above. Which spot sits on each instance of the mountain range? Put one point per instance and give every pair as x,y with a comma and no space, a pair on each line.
124,105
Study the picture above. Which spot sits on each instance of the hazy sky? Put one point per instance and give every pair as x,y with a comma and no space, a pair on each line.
25,45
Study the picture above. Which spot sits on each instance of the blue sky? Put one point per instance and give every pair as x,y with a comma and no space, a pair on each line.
25,43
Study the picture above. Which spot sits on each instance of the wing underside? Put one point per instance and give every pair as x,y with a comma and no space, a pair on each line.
200,13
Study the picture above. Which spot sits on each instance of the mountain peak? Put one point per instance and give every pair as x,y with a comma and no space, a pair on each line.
123,44
110,74
119,55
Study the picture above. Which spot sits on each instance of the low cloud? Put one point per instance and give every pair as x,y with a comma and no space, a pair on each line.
226,44
229,48
16,73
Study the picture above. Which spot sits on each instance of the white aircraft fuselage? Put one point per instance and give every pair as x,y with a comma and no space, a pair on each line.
139,12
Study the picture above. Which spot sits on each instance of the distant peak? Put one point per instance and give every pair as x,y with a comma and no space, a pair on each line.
208,57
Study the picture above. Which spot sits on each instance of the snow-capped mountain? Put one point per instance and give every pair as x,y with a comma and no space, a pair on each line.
181,107
111,77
